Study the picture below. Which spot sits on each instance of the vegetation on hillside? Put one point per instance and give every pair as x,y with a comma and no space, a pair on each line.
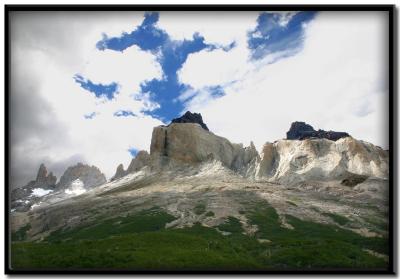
141,242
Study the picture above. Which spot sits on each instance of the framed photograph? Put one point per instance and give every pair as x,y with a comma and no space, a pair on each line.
242,139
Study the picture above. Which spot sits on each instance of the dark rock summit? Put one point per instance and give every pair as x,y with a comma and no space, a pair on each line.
301,131
189,117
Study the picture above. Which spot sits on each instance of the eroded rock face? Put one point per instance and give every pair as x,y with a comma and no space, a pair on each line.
188,143
292,161
301,131
189,117
90,176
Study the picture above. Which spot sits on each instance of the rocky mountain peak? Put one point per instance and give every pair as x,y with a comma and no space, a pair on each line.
42,173
301,130
44,182
189,117
43,179
90,176
141,160
120,172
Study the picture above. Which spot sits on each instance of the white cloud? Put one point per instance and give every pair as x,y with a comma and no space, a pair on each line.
48,50
225,67
338,82
122,67
216,27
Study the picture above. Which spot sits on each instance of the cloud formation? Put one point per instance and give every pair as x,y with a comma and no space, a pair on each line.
56,121
91,86
336,82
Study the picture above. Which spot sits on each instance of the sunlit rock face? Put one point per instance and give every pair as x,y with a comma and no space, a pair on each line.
292,161
189,143
90,176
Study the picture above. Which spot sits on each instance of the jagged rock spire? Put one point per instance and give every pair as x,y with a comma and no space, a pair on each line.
43,179
42,173
119,173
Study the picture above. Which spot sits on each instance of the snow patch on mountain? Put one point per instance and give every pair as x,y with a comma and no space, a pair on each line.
77,188
40,192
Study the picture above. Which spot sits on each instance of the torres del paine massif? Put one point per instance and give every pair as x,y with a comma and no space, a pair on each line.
196,201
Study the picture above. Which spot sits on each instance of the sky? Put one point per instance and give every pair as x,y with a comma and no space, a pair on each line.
90,86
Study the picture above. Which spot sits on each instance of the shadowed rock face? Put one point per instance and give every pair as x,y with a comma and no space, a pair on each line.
301,131
189,117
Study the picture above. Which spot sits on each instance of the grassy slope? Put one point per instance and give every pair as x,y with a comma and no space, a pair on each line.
141,242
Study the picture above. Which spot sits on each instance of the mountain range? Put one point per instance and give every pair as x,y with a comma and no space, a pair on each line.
325,178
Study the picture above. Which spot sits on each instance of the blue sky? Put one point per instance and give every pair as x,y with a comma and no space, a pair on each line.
274,33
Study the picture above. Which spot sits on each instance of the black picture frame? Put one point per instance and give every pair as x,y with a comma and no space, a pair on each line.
392,46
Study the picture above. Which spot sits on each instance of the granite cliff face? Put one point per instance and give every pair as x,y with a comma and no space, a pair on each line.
307,155
190,144
293,161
